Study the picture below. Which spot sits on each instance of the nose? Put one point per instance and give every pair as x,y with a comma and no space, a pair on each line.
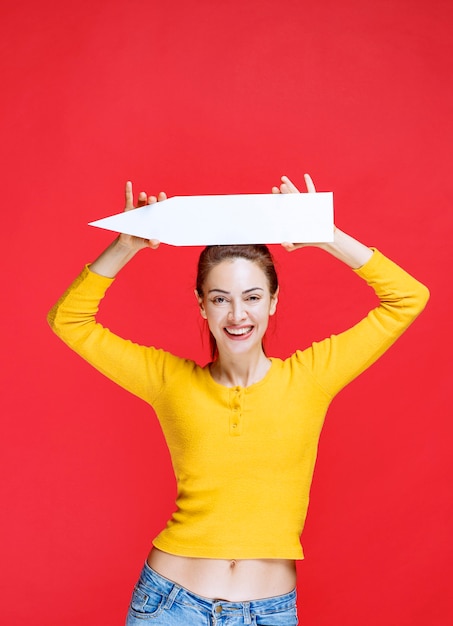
237,312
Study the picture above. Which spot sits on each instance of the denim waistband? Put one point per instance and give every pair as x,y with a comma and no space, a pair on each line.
182,595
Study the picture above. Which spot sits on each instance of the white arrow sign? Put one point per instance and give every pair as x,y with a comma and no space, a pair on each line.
235,219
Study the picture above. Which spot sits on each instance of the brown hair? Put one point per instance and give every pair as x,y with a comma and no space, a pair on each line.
213,255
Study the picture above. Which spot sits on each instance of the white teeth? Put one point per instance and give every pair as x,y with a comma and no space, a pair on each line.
239,331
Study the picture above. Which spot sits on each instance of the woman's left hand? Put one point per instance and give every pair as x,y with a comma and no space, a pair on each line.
288,186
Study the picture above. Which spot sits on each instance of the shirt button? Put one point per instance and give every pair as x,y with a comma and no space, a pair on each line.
235,425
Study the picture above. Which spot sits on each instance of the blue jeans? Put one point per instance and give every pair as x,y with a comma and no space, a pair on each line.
158,601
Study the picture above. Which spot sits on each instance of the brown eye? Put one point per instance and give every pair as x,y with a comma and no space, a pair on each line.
219,300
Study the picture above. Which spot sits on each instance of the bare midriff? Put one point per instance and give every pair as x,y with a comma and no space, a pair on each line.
235,580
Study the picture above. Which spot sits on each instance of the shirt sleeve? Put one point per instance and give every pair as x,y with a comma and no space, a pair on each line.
337,360
139,369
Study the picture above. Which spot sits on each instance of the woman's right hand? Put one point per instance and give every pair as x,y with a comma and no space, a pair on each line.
123,249
130,241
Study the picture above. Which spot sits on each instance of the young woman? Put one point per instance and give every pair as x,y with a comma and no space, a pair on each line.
242,430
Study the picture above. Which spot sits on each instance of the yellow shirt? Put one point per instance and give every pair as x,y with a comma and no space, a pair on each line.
243,457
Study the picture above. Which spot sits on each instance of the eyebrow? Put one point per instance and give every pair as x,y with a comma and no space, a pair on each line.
228,292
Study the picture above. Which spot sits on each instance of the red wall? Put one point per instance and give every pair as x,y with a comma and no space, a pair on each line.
223,97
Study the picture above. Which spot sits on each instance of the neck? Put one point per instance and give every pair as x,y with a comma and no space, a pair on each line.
234,371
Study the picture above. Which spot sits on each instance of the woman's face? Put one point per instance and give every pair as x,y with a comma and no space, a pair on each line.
237,305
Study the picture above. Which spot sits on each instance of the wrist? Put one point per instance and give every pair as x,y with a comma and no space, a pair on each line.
347,249
113,259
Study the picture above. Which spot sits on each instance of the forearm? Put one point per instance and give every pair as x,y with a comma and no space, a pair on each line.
113,259
342,357
73,320
347,249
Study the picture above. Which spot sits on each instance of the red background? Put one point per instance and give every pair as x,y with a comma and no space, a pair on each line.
223,97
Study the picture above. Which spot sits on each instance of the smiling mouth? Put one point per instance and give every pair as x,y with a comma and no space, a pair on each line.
239,332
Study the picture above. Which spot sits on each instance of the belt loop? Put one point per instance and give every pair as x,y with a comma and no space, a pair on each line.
247,616
171,597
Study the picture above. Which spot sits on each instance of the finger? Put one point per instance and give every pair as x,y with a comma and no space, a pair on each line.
275,190
141,199
129,196
153,243
152,199
309,183
289,184
162,196
289,247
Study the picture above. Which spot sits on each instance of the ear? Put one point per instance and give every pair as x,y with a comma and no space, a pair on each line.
274,302
200,304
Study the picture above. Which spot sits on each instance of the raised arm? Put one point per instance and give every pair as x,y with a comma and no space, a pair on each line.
339,359
73,318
